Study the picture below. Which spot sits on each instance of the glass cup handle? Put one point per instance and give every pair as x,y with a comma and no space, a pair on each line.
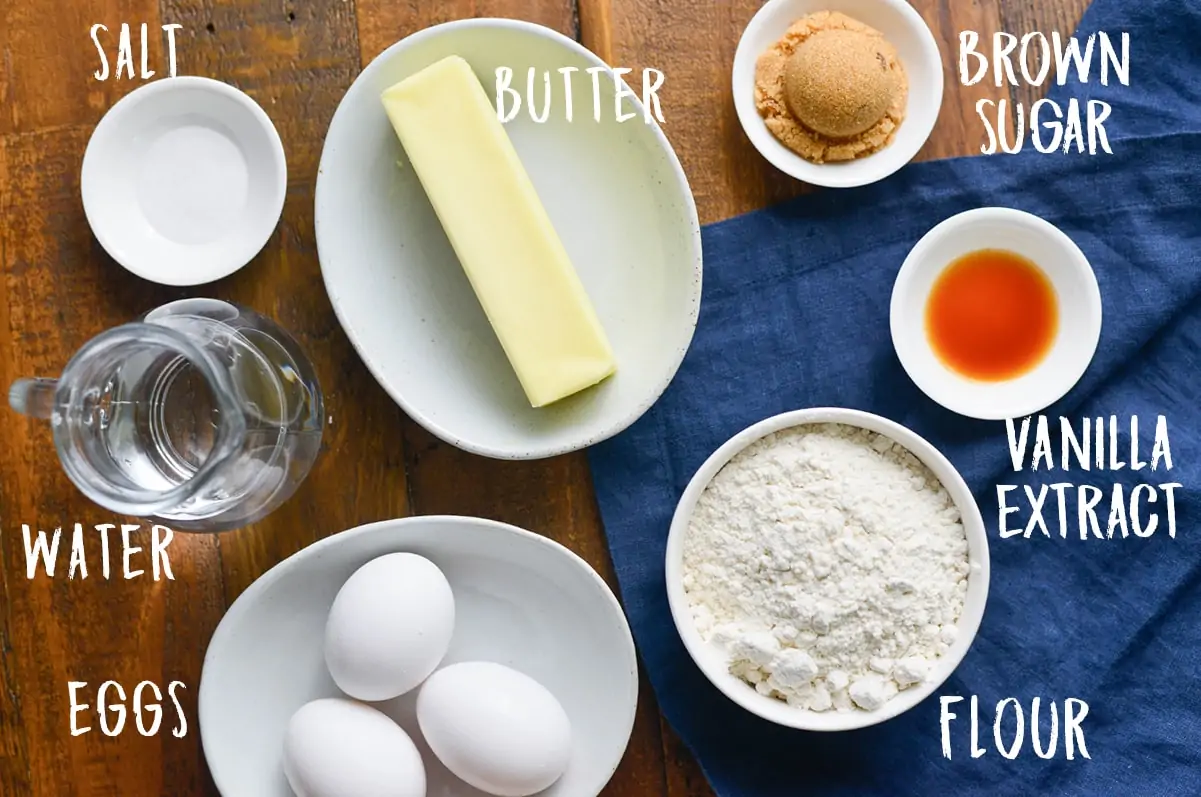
33,397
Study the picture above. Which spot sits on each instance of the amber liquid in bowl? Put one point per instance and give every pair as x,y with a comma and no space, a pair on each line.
992,315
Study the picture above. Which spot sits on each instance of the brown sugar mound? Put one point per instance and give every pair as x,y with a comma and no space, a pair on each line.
838,83
832,88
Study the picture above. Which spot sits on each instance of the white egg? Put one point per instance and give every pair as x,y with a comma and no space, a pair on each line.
335,748
389,627
496,728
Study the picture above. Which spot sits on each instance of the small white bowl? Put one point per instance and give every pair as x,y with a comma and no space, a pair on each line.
1078,298
616,195
712,660
917,49
183,180
520,600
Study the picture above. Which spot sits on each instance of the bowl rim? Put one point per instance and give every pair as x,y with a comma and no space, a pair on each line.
774,710
1035,226
100,146
345,317
250,598
829,175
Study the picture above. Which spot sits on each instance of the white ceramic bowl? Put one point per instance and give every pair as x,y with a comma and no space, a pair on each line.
183,180
520,599
616,195
1078,299
918,51
712,660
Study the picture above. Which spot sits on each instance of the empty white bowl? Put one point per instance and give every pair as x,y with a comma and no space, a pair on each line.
915,46
1077,296
713,661
520,600
183,180
615,194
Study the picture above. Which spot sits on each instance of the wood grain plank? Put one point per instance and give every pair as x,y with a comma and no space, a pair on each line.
695,50
62,630
684,775
54,272
15,771
552,497
643,771
193,604
960,130
382,23
727,175
296,60
48,59
1020,17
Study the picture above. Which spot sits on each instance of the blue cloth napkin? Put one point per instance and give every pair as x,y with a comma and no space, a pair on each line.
795,314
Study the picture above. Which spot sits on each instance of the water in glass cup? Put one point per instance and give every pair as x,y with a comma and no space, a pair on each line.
203,414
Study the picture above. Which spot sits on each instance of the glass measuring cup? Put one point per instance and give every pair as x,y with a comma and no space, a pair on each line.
203,414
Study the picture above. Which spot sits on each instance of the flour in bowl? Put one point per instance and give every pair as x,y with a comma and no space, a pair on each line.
830,564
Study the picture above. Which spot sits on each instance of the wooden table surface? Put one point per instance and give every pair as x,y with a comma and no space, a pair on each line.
297,57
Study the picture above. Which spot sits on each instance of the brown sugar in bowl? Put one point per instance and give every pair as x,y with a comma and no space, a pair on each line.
834,163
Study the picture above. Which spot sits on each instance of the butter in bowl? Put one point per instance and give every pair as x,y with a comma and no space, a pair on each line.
500,231
521,289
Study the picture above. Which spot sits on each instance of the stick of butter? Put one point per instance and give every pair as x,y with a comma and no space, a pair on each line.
500,231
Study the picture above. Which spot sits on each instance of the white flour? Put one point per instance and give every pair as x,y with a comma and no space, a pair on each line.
830,564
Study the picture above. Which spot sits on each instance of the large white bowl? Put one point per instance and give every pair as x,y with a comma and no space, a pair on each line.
616,195
1078,300
520,599
917,49
713,661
